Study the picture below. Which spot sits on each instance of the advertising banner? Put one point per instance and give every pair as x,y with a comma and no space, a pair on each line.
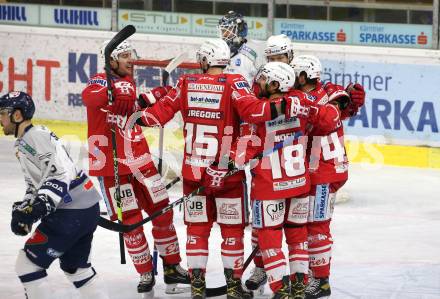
392,35
75,17
184,24
356,33
401,105
156,22
314,31
21,14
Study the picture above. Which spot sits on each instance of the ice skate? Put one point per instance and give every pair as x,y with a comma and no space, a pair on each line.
234,288
298,286
318,288
284,292
198,284
145,286
173,275
257,280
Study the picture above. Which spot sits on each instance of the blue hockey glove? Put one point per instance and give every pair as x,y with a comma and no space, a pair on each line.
24,214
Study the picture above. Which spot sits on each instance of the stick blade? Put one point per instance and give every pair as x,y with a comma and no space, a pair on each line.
122,35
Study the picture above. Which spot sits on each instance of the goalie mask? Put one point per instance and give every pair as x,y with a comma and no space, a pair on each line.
215,52
277,72
121,48
309,64
233,30
277,45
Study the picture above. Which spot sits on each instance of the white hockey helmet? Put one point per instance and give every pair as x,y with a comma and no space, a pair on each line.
215,51
309,64
279,44
279,72
123,47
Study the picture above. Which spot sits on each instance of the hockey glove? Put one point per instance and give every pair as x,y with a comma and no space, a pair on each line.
337,95
214,177
124,95
24,214
294,108
150,97
357,94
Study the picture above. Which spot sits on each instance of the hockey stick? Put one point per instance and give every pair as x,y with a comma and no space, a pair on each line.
118,227
214,292
165,76
122,35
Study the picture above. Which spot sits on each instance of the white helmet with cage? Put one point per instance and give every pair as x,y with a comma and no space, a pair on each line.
215,51
309,64
123,47
279,72
279,44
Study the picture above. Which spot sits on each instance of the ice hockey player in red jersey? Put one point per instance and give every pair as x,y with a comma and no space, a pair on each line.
140,183
328,168
279,48
212,105
281,182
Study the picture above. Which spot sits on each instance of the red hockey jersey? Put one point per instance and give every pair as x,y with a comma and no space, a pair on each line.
284,172
132,148
212,107
326,151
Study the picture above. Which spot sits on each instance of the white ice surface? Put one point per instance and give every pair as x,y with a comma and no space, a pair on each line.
387,239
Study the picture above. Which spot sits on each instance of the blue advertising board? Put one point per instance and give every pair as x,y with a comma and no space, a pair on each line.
356,33
400,105
314,31
76,17
392,35
19,14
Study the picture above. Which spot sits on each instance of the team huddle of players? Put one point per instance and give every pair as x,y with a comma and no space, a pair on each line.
277,119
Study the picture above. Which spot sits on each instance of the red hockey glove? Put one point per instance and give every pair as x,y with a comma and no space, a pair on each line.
150,97
294,108
124,95
357,94
214,178
337,95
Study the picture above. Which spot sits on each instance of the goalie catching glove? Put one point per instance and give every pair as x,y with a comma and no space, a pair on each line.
25,213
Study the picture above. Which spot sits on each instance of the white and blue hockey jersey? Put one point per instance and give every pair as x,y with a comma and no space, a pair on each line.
48,169
247,61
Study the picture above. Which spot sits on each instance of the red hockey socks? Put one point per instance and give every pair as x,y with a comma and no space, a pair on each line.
320,246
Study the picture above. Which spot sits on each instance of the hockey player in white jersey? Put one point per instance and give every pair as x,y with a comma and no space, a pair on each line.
245,56
60,195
